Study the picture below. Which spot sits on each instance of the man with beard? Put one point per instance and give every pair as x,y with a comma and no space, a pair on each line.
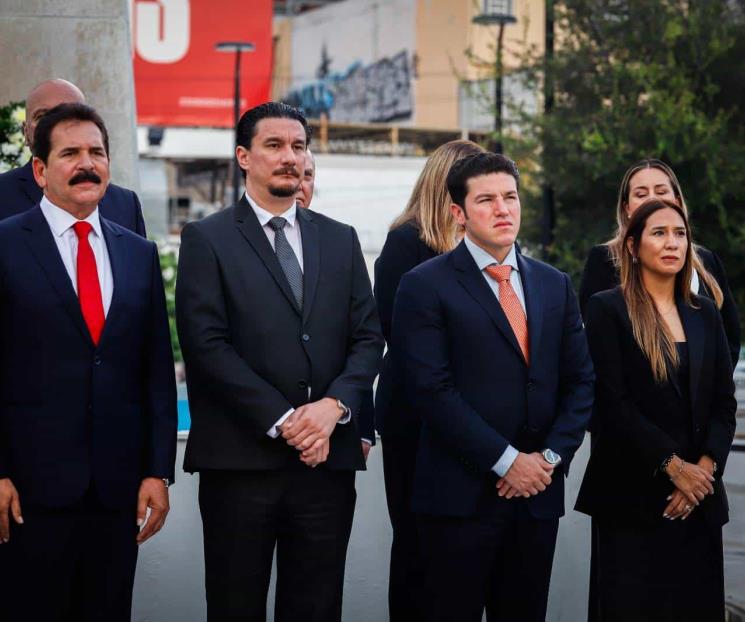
18,188
87,389
281,340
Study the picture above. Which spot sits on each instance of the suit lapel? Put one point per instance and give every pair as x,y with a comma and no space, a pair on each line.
41,242
250,228
28,183
116,248
311,258
693,326
472,280
533,291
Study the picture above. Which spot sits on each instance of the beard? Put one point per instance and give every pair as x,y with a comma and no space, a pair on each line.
285,190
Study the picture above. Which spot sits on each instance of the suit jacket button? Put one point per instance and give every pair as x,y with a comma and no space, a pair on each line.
302,384
531,386
306,337
97,360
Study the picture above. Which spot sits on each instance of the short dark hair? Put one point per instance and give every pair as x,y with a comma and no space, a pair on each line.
58,114
246,129
477,165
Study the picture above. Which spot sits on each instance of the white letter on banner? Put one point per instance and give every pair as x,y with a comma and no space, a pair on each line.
163,30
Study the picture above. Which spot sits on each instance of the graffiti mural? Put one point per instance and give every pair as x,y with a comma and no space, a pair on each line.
379,92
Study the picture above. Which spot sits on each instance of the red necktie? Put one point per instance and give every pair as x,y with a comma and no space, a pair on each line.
511,306
89,288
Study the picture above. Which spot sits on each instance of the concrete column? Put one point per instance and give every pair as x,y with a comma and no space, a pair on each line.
86,42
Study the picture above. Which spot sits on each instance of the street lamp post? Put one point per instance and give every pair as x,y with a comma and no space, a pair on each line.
497,12
237,47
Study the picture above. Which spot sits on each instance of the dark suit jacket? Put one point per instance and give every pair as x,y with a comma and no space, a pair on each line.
402,251
638,423
471,387
600,274
72,413
251,355
19,192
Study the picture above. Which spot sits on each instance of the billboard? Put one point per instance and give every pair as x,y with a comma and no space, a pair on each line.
180,78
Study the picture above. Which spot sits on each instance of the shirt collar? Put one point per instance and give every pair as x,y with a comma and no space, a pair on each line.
264,216
484,259
60,220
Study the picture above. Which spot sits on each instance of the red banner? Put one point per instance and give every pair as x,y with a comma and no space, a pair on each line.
180,78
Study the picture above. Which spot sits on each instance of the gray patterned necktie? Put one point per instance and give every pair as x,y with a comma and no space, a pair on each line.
287,259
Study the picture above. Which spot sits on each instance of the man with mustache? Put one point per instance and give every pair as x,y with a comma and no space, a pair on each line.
18,188
281,340
491,348
87,388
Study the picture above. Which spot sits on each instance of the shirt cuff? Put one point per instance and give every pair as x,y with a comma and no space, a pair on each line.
505,461
274,431
366,440
346,418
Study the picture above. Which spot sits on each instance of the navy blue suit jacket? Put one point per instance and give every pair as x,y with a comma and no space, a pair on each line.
74,414
469,383
19,192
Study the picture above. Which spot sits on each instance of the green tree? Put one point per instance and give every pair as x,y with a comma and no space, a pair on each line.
634,79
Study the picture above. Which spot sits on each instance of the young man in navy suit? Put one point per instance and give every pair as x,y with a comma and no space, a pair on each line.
491,346
87,388
18,188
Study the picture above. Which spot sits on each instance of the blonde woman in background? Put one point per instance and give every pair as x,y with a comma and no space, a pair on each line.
424,230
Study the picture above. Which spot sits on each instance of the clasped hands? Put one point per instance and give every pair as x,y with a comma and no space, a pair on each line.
308,429
692,483
528,475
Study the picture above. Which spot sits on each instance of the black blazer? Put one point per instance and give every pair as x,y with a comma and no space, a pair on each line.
19,192
73,413
466,376
402,251
250,355
600,274
637,423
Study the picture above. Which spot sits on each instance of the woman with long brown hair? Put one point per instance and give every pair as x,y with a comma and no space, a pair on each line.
664,422
425,229
647,179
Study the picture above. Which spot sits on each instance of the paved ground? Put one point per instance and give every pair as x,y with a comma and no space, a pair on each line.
170,577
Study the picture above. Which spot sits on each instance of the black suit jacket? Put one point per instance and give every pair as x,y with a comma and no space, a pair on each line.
638,423
402,251
250,355
19,192
600,274
73,413
472,389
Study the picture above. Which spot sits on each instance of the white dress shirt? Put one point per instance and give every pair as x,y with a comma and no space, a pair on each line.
61,223
292,233
483,260
291,229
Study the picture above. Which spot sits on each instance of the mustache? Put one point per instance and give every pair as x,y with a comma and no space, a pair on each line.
84,176
290,170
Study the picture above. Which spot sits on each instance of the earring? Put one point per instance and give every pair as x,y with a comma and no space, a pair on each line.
634,260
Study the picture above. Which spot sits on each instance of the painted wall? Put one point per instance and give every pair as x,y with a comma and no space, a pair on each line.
353,61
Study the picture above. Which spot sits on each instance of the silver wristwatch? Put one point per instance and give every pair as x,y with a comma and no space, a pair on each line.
550,456
343,408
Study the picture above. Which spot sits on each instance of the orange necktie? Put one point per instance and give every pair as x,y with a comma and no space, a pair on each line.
511,305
